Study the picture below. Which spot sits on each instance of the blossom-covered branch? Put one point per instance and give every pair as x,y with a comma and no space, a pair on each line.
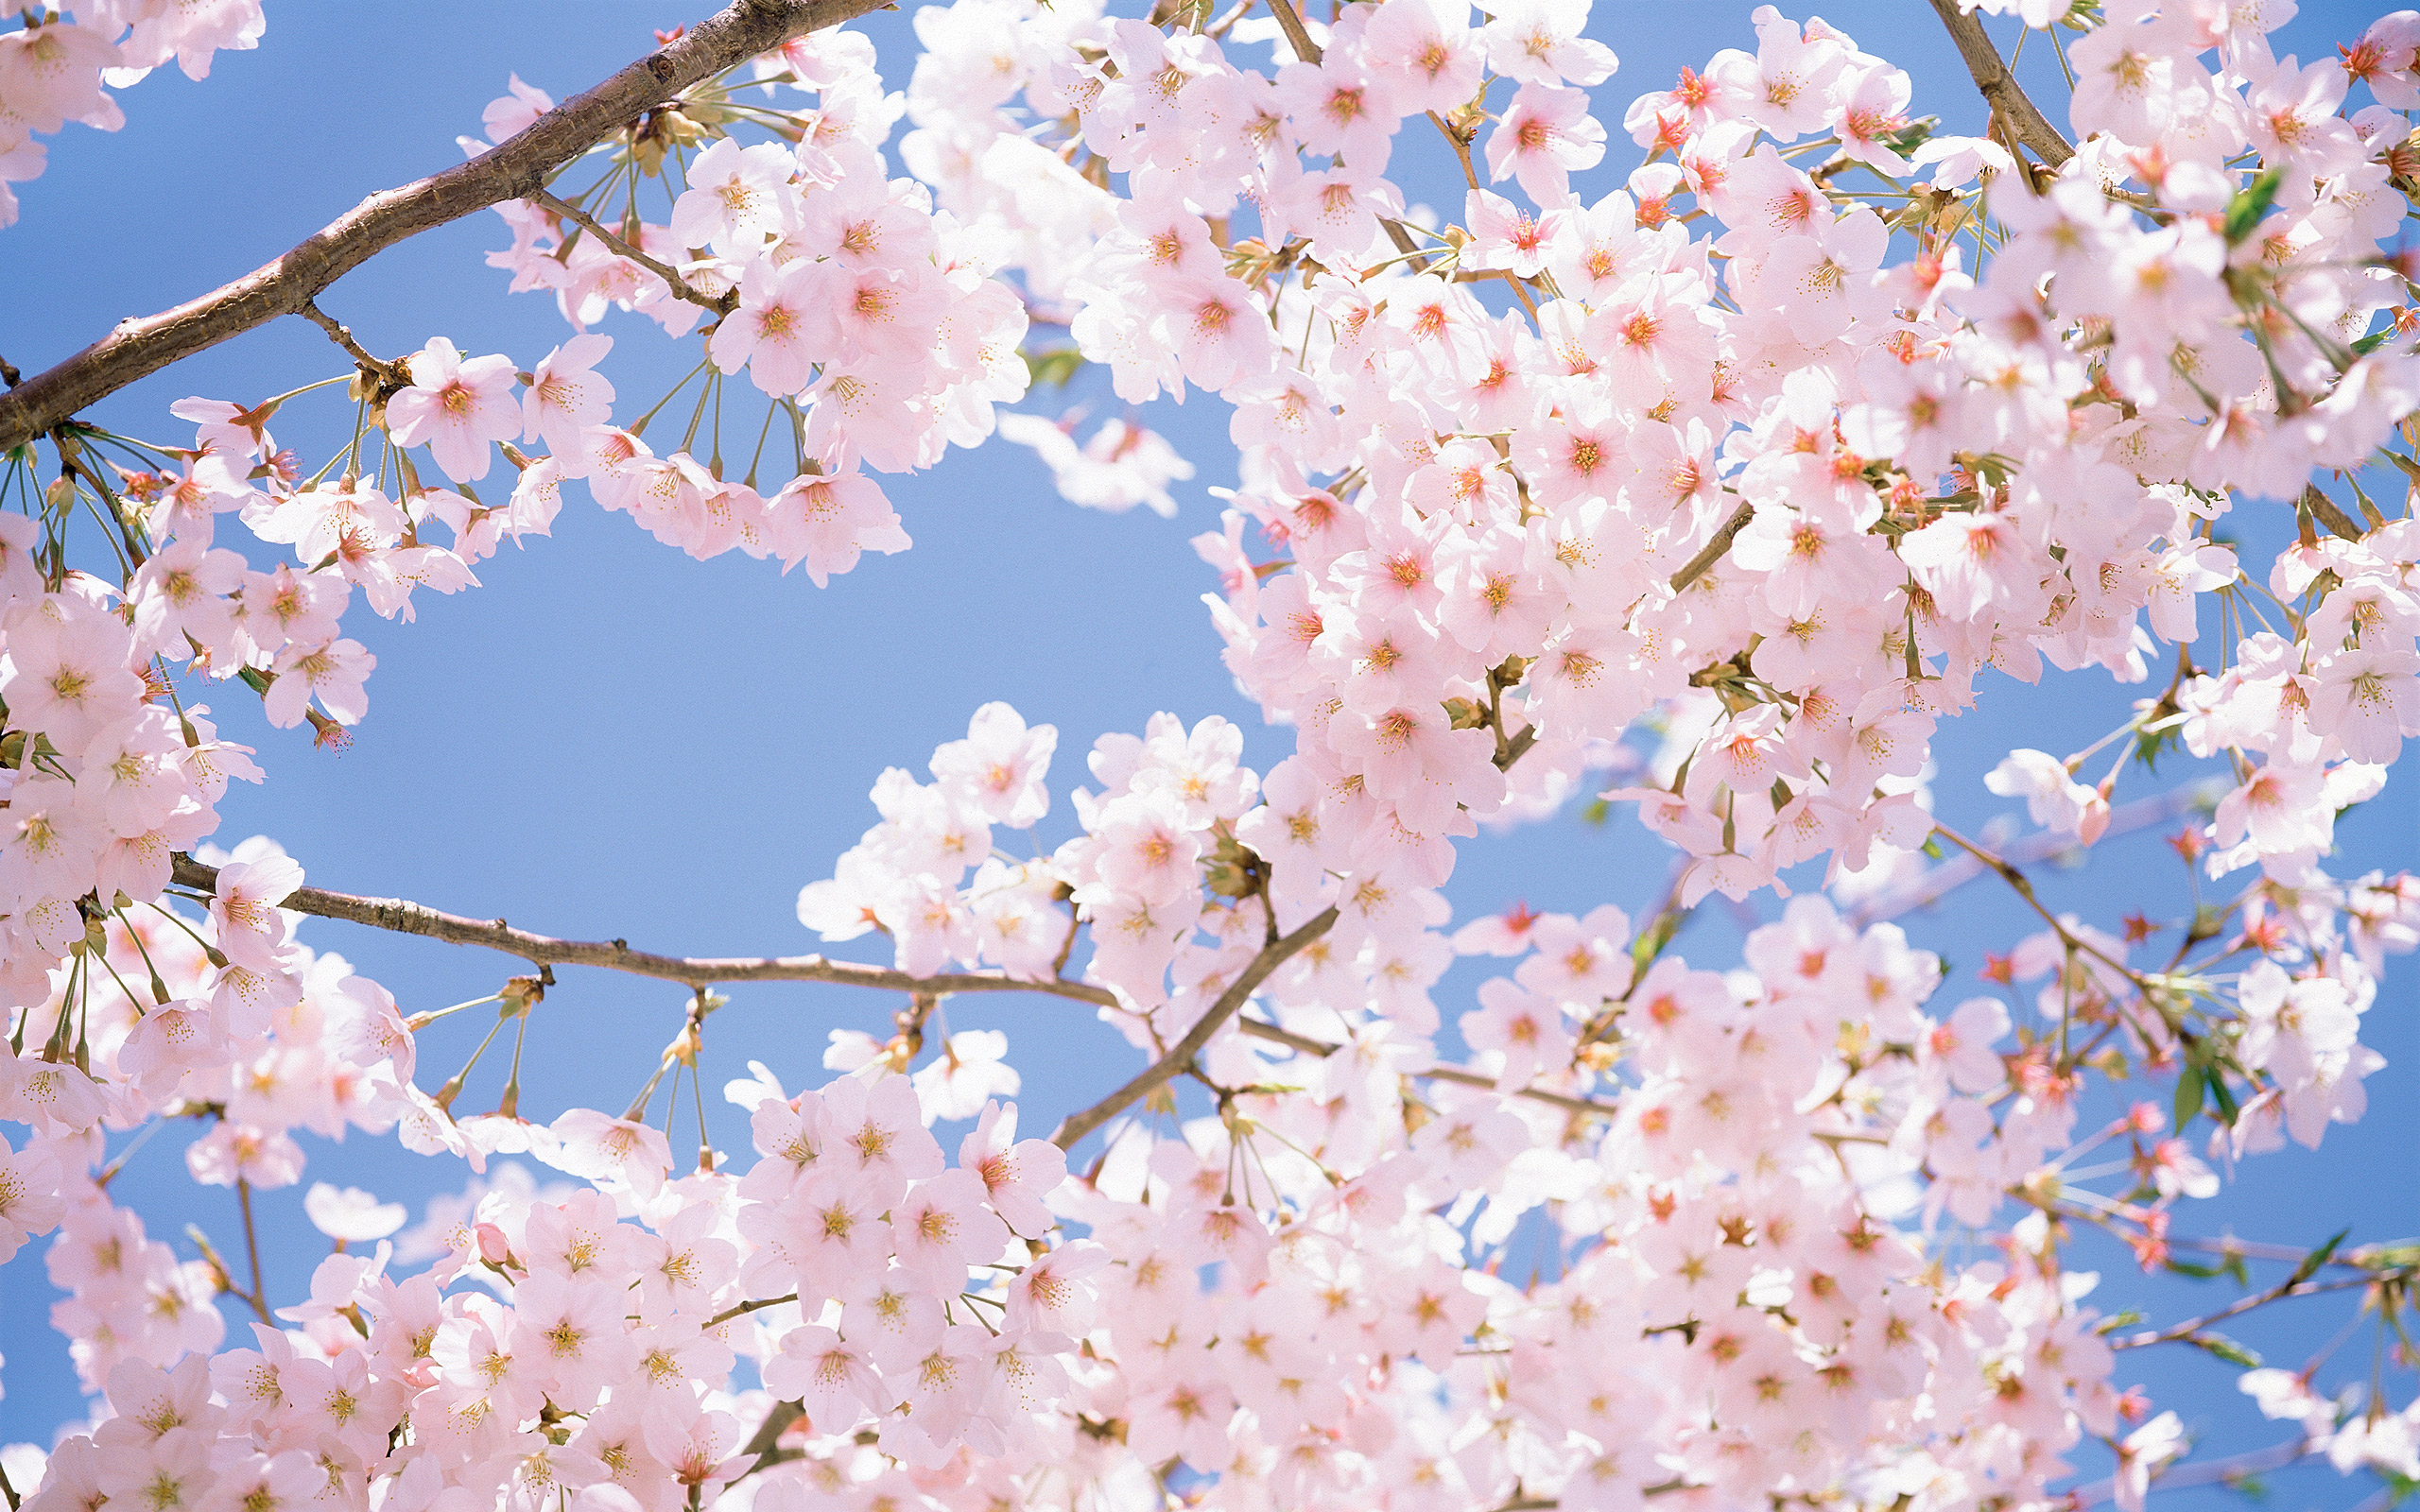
401,917
507,171
1758,477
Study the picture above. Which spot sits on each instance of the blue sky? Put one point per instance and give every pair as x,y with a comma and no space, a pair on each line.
609,739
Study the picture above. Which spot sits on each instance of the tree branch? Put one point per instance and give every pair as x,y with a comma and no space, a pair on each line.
2001,88
1272,956
1461,1076
671,277
763,1450
513,170
743,1308
2009,874
388,372
1712,551
1939,882
2189,1330
402,918
1299,38
2205,1472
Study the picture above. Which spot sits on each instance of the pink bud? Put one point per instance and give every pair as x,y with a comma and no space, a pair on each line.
2145,1118
2093,822
493,1247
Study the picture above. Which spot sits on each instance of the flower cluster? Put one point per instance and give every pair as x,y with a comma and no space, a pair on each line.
430,1389
873,324
107,773
52,67
1501,520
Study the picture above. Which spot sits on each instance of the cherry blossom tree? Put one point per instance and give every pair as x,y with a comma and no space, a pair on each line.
1758,468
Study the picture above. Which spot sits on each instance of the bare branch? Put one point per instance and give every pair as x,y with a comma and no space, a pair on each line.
1999,87
1272,956
743,1308
252,1248
1461,1076
1297,37
1712,551
671,277
2009,874
763,1450
2189,1331
402,918
511,171
2225,1471
1939,882
389,373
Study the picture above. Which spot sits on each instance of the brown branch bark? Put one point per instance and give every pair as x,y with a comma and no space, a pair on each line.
513,170
1275,953
764,1449
402,918
1296,36
2001,88
1712,551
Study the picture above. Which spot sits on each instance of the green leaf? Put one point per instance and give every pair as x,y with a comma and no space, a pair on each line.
2245,211
2310,1268
2224,1098
2149,744
2373,341
2225,1348
1914,135
1057,366
2188,1100
2200,1273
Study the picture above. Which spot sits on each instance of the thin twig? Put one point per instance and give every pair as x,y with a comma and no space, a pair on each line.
744,1308
2255,1249
1275,953
2233,1468
2017,879
1712,551
1461,1076
252,1249
670,275
385,371
1939,882
2190,1327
